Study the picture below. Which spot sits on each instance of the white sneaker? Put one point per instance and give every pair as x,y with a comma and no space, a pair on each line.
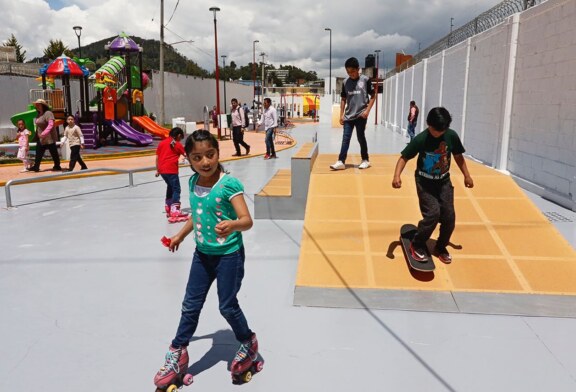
339,165
364,165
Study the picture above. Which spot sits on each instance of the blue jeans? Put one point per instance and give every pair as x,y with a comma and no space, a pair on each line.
270,142
172,188
228,271
360,124
411,130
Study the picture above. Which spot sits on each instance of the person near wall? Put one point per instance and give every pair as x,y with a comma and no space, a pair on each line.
238,121
357,100
73,135
270,120
412,119
46,136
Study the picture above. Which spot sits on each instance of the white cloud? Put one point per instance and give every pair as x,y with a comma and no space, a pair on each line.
290,32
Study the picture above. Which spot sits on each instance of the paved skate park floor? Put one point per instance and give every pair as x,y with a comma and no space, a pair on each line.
90,298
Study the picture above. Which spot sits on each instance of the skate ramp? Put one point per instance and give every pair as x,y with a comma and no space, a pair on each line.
508,258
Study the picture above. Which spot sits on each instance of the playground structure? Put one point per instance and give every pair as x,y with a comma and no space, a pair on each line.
310,105
110,101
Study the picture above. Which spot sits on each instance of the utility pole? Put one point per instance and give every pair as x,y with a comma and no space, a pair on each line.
262,84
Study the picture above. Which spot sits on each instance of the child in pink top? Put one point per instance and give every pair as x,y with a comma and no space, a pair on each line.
23,146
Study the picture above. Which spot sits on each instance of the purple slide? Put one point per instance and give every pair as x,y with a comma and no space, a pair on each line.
132,135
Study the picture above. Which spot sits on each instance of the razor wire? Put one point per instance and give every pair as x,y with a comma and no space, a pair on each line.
482,22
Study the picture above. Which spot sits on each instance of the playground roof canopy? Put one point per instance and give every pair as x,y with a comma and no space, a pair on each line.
64,65
123,43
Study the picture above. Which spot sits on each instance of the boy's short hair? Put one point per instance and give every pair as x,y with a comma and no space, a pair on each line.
175,132
439,118
352,62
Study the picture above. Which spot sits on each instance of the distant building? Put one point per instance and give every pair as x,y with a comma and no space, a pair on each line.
8,54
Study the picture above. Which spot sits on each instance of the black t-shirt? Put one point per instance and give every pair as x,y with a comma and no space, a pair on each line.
434,154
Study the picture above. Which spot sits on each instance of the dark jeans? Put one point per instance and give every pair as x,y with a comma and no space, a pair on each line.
270,142
41,149
172,188
75,157
238,139
360,124
411,130
228,271
436,200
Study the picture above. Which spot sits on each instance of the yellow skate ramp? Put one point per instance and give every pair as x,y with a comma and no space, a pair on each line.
507,257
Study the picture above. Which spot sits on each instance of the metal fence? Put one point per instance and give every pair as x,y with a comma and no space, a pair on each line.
482,22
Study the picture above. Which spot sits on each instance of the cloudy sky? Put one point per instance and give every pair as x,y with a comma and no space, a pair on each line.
291,32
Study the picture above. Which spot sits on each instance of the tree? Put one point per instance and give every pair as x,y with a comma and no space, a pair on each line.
55,49
20,55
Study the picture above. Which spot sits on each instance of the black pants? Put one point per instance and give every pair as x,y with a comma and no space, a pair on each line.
436,200
238,139
75,157
40,149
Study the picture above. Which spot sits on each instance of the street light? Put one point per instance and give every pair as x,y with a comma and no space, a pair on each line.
377,51
254,81
262,81
214,10
161,60
78,31
224,78
330,74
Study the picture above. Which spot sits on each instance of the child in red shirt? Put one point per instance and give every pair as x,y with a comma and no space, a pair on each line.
167,154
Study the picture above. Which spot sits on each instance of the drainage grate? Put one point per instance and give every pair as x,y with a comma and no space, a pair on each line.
556,217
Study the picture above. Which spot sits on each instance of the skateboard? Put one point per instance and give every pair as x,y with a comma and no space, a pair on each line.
245,376
407,232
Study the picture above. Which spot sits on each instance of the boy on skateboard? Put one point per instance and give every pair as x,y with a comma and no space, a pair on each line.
434,147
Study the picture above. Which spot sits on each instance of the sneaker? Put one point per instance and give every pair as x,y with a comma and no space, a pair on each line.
236,155
418,253
339,165
25,170
443,255
248,150
364,165
273,156
266,156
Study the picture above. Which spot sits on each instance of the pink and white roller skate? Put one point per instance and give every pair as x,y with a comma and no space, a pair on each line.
176,215
174,374
246,363
167,208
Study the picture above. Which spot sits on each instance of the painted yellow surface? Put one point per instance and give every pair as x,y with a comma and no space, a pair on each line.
502,242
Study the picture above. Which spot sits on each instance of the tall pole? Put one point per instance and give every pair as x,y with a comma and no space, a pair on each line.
78,32
262,81
161,117
330,72
224,78
377,51
254,82
214,10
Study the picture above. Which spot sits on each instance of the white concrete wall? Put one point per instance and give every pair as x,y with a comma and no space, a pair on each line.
512,93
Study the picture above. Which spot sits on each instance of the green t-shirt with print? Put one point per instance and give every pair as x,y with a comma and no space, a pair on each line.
212,208
434,154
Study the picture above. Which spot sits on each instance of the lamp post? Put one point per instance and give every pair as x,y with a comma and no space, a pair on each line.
262,80
377,51
254,82
78,31
330,72
214,10
224,78
161,114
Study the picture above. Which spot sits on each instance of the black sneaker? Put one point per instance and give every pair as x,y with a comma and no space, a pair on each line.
248,150
443,255
418,253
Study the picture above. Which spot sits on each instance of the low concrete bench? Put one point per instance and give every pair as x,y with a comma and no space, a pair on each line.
284,196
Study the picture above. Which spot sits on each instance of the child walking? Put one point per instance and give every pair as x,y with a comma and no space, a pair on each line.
23,144
219,215
73,134
434,148
167,154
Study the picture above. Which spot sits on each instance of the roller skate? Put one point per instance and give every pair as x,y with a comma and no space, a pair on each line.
167,208
173,374
247,362
176,215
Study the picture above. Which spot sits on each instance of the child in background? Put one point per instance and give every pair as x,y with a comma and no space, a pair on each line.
434,148
219,215
23,146
167,154
73,134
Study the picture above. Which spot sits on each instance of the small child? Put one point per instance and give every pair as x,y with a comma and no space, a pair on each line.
167,154
434,148
23,145
73,134
219,215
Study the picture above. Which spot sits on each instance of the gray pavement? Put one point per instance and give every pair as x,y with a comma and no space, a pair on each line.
90,300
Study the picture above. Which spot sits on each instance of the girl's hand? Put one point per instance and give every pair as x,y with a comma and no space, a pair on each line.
175,243
224,228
